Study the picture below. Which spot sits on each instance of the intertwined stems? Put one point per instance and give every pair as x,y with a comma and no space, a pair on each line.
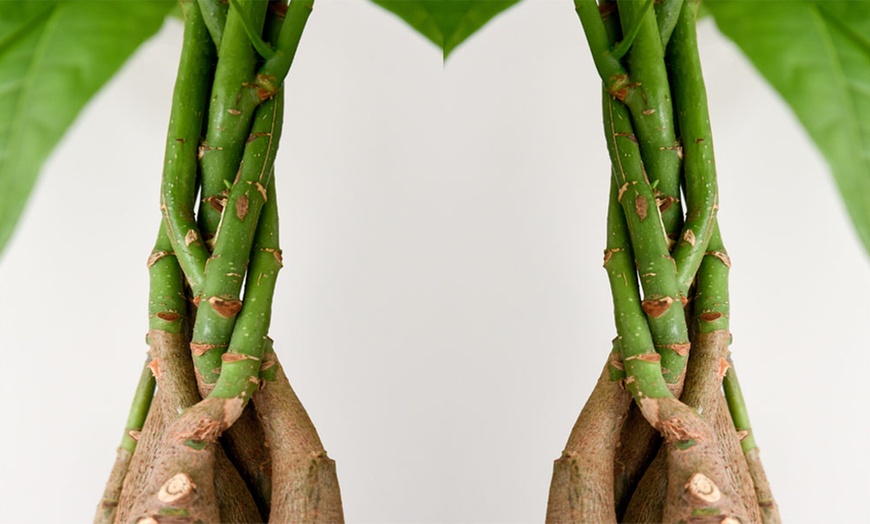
240,98
643,151
689,438
652,111
167,302
690,101
653,334
229,114
712,313
711,307
167,306
221,299
662,301
183,472
179,188
236,99
238,90
241,363
192,439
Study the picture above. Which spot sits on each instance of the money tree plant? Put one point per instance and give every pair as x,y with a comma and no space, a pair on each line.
215,432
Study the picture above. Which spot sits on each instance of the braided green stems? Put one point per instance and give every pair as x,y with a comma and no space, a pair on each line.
221,302
644,90
178,192
271,75
662,300
241,363
642,364
229,113
239,377
690,99
653,121
691,102
239,88
614,76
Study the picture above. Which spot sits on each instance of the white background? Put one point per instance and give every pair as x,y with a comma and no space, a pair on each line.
442,312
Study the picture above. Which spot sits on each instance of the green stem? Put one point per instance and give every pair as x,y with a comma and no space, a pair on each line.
230,113
214,12
614,76
711,303
662,300
241,363
642,363
620,49
690,98
273,72
138,409
167,303
221,302
653,120
167,306
667,13
254,34
178,192
238,93
740,416
711,314
239,375
107,509
737,407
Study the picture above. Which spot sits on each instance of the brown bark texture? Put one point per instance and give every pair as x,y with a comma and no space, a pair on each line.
582,486
304,481
187,468
699,474
218,493
638,446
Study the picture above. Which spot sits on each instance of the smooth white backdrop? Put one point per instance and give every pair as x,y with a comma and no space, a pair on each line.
442,312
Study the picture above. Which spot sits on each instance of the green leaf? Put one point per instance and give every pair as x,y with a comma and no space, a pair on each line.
54,55
448,23
817,55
